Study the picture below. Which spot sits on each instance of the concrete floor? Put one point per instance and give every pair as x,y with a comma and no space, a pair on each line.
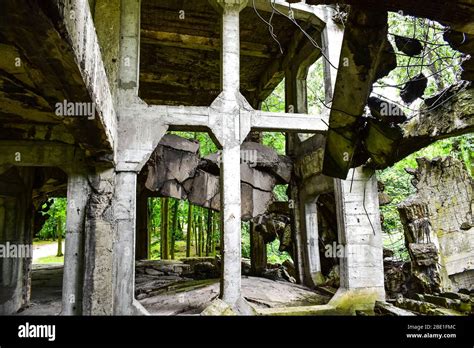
188,297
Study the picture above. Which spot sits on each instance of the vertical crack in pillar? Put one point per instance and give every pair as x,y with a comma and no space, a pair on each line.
77,197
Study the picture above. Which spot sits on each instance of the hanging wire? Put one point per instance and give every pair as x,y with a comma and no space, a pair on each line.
313,42
363,202
270,26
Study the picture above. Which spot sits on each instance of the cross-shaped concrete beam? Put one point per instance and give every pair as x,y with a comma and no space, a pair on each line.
229,119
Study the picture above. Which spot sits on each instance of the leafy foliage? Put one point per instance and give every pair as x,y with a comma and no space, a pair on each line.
56,214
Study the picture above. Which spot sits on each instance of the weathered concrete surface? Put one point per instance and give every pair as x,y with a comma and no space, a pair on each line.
360,233
78,192
15,228
192,76
361,53
445,190
124,208
98,273
70,72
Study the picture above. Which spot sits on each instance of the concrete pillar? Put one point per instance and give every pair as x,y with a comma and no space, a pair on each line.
312,243
360,233
15,234
228,104
78,191
130,46
99,241
230,212
331,38
296,101
258,251
124,207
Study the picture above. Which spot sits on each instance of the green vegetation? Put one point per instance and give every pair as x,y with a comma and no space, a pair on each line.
55,225
50,259
169,229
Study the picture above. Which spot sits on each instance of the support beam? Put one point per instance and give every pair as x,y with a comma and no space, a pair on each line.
77,199
331,37
130,46
99,239
203,43
124,246
40,154
15,229
199,117
312,243
360,233
295,100
225,120
138,137
289,122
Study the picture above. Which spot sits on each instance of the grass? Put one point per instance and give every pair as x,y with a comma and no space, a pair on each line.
38,242
50,259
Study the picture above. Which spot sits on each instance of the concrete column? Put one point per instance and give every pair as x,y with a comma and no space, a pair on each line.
230,73
331,38
230,212
360,233
15,233
130,46
227,108
124,207
99,241
78,191
296,101
312,243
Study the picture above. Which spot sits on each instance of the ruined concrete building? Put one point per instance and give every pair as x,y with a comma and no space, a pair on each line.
89,90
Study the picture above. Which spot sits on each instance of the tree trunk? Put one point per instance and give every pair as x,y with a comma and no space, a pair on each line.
204,233
59,232
174,227
164,228
199,223
151,228
214,231
196,231
209,232
189,230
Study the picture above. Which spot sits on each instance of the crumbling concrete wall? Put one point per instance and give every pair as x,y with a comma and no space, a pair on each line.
441,213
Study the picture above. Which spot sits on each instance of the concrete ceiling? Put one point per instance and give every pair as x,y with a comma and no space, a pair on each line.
180,57
38,70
